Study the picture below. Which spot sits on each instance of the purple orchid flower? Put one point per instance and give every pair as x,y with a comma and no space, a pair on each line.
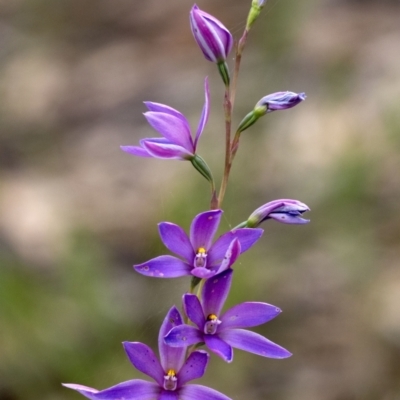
222,332
286,211
201,258
171,373
213,38
177,142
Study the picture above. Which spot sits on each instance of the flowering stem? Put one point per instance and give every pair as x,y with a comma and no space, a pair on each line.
228,122
229,101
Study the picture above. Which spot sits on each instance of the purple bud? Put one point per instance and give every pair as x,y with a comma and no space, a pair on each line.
214,40
284,210
279,101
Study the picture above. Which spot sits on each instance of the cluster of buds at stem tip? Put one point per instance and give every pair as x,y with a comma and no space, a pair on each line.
255,10
272,102
213,38
286,211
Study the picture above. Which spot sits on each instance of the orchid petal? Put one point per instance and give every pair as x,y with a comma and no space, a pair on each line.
143,358
231,256
174,129
166,150
176,240
193,309
215,292
219,347
183,336
203,229
136,151
248,314
288,218
162,108
170,357
194,367
247,238
164,267
136,389
199,392
204,114
168,395
253,343
203,273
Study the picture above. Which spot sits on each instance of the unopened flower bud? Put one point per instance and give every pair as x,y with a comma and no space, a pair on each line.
255,10
213,38
279,101
272,102
284,210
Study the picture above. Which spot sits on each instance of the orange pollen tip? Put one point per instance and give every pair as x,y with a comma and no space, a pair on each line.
171,373
212,317
201,250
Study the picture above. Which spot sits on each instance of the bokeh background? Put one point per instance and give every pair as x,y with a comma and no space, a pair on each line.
76,212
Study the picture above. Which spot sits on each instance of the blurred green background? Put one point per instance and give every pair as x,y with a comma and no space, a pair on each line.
76,213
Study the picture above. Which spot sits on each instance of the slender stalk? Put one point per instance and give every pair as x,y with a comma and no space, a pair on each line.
229,101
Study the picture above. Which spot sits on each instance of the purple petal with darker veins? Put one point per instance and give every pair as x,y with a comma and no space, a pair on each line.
219,347
215,292
174,129
193,310
164,267
194,367
183,336
204,114
248,314
199,392
176,240
247,238
166,150
203,229
158,107
136,389
170,357
253,343
144,359
136,151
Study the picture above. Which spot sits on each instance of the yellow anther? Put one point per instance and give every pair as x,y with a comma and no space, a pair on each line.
201,250
212,317
171,373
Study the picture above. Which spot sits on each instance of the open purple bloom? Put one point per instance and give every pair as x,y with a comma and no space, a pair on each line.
221,332
199,256
283,210
213,38
170,374
177,142
280,101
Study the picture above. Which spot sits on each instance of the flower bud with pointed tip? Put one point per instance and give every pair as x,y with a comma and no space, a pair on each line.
256,7
286,211
272,102
213,38
279,101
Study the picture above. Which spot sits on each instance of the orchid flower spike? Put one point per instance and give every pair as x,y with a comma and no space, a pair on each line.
213,38
170,374
286,211
199,256
272,102
222,331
